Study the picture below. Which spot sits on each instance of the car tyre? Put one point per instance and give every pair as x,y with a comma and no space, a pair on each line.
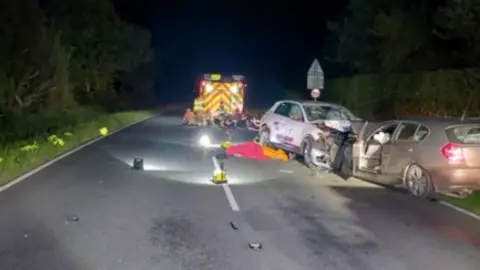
307,145
264,136
418,182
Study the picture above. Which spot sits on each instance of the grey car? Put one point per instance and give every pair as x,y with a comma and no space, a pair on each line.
425,155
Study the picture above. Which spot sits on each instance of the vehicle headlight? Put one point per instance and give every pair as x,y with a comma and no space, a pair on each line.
234,89
204,141
209,88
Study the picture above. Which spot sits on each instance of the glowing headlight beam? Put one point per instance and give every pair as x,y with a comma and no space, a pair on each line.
204,141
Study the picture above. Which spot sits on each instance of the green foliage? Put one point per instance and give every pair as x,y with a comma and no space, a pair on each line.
458,24
19,157
420,57
471,203
352,39
436,93
399,34
58,63
407,35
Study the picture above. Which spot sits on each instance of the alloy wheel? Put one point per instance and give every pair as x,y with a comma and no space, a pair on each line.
417,181
307,152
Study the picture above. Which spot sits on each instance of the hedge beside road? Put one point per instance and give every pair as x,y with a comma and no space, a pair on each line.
19,157
437,93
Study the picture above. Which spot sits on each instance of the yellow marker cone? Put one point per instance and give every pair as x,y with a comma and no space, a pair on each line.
219,177
226,145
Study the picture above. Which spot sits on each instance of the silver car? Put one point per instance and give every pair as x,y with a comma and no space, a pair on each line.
295,126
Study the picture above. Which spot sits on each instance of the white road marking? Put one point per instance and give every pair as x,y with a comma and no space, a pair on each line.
466,212
215,163
226,188
230,198
454,207
66,154
286,171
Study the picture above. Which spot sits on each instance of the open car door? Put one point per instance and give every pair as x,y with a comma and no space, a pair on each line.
361,129
350,150
373,149
368,149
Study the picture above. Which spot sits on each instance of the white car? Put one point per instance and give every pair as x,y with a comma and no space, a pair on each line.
291,125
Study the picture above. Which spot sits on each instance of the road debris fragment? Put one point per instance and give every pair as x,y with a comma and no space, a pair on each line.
255,245
233,225
137,164
71,219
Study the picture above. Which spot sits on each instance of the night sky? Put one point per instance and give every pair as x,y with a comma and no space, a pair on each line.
272,43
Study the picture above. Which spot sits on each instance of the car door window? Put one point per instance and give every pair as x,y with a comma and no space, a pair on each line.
296,113
406,131
283,109
387,130
421,134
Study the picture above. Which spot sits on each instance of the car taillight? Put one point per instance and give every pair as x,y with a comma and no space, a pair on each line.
453,152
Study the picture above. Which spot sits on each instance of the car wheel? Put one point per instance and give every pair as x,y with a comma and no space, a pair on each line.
418,182
307,152
264,136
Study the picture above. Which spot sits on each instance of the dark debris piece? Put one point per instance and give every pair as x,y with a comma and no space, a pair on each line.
137,164
255,245
233,225
71,219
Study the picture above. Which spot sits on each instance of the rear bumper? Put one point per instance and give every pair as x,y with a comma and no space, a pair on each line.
456,179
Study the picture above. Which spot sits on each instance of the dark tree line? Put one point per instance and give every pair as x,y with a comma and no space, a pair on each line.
414,57
376,36
63,60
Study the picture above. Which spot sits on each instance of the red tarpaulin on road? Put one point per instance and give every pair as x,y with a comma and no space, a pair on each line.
256,151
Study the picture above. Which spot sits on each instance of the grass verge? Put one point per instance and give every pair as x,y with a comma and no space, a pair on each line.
470,203
23,156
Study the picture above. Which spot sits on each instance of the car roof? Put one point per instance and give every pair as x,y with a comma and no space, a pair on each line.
440,121
311,102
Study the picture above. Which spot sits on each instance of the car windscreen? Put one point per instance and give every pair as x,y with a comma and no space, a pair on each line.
464,134
325,112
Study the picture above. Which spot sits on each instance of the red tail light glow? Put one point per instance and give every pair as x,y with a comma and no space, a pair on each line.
453,153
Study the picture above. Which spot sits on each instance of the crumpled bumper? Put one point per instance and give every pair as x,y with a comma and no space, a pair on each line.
319,156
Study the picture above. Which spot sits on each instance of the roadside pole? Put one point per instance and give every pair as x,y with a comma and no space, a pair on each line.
315,80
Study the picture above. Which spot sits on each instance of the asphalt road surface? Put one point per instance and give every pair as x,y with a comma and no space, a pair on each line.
90,211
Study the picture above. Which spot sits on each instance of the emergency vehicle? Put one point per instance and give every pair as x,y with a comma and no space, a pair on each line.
217,90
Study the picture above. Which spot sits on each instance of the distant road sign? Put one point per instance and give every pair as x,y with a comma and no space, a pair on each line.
315,79
315,93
